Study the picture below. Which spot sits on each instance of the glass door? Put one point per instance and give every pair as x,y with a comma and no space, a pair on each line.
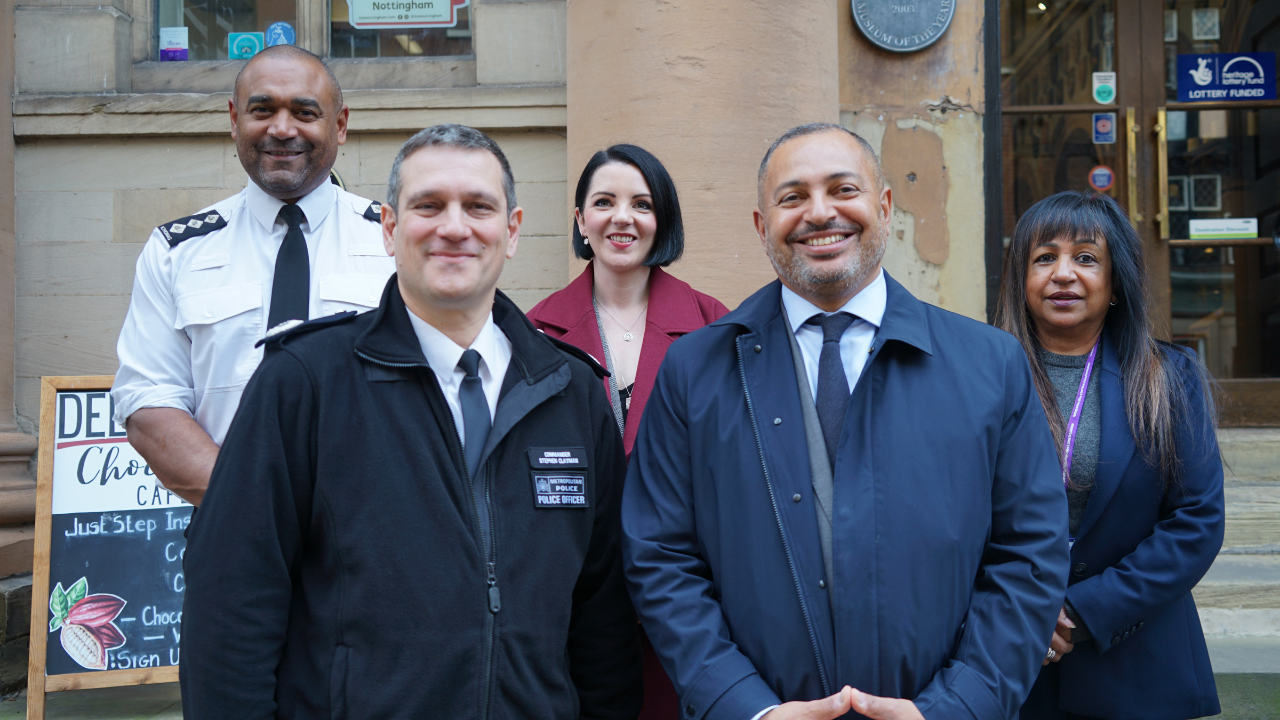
1219,170
1172,164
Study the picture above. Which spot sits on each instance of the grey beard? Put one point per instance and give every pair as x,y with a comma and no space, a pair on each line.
829,284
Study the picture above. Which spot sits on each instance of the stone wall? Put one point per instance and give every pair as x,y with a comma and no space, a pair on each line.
85,206
922,112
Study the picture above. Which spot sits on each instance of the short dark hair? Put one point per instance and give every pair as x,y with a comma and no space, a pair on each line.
813,129
668,239
454,136
295,52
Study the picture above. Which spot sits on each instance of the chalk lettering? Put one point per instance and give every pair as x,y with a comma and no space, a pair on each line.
91,415
62,412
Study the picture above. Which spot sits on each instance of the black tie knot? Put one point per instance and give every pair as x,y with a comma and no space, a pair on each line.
470,363
292,215
833,325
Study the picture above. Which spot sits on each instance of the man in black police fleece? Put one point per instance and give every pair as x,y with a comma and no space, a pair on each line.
415,513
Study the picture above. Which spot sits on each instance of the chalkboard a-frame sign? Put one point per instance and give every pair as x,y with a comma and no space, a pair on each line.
107,584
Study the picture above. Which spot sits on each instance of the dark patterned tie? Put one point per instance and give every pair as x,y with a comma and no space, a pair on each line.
833,383
291,284
475,410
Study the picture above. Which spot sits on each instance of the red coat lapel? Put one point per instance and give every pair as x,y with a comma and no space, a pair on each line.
674,310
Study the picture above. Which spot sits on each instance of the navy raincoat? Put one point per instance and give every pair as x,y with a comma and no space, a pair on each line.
949,527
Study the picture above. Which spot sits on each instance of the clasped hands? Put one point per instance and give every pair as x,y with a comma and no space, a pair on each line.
840,704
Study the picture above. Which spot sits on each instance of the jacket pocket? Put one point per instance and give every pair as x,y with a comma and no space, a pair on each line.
338,684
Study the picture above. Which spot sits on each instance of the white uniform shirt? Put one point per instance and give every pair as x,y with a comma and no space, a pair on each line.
443,354
855,344
199,306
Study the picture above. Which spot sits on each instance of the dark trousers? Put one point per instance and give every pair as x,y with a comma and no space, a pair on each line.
1042,703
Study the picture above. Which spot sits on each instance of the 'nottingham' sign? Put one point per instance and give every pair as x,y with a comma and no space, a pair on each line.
903,25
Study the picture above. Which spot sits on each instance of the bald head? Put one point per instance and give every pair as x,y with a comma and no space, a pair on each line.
812,129
286,54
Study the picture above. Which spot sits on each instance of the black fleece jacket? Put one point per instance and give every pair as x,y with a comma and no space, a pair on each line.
343,565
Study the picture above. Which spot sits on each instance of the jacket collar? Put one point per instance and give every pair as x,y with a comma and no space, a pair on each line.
673,308
391,340
904,316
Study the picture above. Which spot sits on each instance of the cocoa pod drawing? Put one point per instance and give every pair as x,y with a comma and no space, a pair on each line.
95,610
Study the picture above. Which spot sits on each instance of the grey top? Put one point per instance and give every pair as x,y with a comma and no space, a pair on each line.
1064,372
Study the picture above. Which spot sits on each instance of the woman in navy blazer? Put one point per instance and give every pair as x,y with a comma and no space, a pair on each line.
1145,481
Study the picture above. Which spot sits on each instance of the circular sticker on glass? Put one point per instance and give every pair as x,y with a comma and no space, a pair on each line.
280,33
903,25
1102,178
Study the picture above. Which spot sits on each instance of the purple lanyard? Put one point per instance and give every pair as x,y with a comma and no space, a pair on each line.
1073,423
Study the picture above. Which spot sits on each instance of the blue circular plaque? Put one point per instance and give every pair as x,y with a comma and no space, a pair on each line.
903,25
280,33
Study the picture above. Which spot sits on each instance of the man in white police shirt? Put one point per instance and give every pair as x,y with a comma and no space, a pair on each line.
289,247
416,513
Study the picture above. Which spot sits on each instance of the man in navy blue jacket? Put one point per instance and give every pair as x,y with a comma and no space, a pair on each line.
841,498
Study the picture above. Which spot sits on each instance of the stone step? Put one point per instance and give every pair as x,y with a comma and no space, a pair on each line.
1250,455
1253,519
1240,597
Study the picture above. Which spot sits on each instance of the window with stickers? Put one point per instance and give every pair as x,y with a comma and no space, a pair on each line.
195,30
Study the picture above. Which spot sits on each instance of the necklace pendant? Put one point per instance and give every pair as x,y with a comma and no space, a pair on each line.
626,337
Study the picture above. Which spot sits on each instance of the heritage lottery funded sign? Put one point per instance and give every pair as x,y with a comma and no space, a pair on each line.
1220,77
903,25
395,14
107,585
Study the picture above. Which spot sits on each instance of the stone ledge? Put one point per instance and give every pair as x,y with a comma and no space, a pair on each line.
513,106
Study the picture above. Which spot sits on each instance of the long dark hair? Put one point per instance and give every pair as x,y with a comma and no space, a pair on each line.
1155,397
668,237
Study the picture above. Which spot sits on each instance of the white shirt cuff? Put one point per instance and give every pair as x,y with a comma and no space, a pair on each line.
763,712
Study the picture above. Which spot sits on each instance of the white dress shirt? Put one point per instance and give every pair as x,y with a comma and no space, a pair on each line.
199,306
855,344
443,354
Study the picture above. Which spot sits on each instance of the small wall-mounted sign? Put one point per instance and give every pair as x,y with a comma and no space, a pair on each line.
1102,178
1224,228
403,13
280,33
1227,77
173,44
903,25
1104,88
1104,128
242,46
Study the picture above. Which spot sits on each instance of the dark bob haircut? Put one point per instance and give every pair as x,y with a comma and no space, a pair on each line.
668,239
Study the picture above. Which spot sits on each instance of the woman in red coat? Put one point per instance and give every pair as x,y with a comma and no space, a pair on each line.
624,309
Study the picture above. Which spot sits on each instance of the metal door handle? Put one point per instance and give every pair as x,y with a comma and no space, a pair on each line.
1162,170
1131,133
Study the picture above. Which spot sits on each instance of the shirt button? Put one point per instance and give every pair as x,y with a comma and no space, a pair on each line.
208,313
796,497
373,298
1080,568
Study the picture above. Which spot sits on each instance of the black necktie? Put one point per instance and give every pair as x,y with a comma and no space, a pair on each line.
833,383
291,284
475,410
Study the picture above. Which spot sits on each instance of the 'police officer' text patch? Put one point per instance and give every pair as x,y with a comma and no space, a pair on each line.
559,490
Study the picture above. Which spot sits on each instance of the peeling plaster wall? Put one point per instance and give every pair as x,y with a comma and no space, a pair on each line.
922,112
